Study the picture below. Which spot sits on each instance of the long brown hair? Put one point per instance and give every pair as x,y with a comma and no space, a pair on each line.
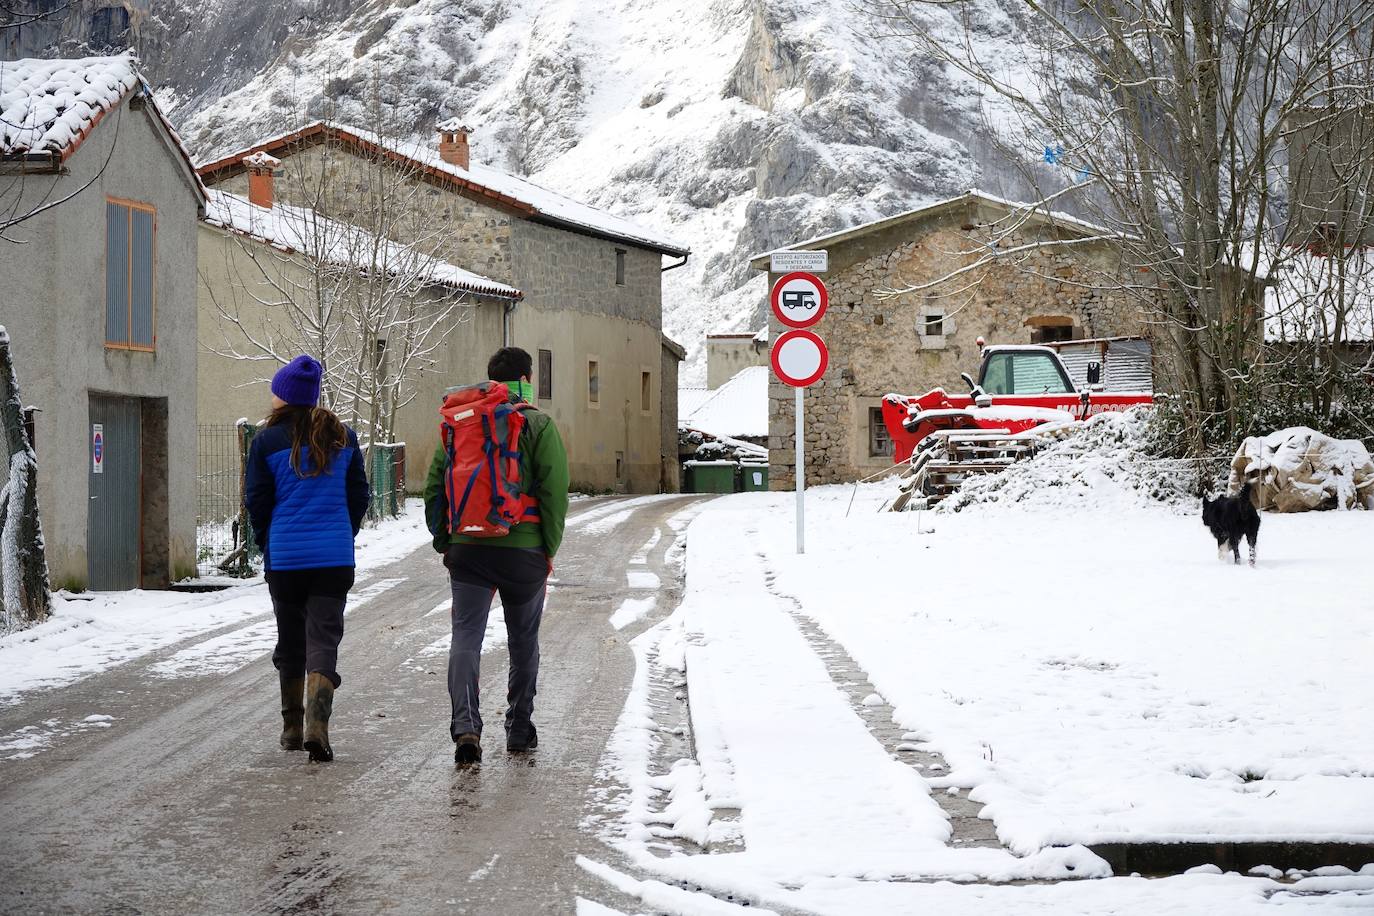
314,429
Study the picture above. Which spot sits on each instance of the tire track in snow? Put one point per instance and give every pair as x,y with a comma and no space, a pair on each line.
967,828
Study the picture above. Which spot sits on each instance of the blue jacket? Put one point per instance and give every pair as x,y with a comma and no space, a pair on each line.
304,522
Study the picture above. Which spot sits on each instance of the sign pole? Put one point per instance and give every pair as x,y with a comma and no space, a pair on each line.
799,357
801,471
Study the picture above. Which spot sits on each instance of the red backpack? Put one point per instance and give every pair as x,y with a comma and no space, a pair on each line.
480,429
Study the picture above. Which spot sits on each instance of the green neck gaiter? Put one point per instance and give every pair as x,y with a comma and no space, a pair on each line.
522,390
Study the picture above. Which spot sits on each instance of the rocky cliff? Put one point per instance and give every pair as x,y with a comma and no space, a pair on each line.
738,125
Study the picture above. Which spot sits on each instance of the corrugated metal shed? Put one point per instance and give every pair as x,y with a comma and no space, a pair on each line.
1127,362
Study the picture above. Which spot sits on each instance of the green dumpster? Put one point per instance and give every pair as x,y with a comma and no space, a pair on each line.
753,477
710,476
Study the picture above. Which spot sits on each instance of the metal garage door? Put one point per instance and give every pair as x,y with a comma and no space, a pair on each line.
115,443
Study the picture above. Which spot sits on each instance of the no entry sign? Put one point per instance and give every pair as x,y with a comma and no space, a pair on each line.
799,358
799,299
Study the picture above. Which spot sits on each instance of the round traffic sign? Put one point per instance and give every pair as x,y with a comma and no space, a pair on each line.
799,299
800,358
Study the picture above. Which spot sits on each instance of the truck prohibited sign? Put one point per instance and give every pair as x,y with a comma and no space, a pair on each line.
799,299
800,358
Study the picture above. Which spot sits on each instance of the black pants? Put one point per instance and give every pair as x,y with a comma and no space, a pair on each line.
309,604
477,574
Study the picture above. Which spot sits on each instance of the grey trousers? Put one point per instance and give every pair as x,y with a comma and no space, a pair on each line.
478,573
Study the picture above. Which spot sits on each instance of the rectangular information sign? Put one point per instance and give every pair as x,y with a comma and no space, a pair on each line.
785,262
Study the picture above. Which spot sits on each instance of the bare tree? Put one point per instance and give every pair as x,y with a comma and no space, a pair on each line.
24,591
1168,122
374,311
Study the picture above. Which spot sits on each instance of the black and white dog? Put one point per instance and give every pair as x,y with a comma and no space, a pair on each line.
1230,518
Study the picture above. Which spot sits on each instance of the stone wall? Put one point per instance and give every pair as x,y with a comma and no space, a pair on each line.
331,179
879,343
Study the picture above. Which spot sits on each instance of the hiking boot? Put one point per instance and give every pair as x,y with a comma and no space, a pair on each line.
319,703
521,739
292,712
468,749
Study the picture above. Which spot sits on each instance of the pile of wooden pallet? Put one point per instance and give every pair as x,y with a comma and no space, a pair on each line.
947,458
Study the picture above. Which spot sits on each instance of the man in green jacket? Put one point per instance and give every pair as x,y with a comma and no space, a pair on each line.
516,565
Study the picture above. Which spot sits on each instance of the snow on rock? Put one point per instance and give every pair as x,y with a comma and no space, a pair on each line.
46,106
1101,462
1297,469
737,126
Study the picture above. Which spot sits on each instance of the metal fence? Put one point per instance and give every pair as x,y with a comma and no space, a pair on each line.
224,539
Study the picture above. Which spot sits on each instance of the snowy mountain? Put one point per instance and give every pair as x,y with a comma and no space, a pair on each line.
737,125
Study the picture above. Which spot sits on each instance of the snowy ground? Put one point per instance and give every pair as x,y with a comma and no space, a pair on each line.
1088,675
95,631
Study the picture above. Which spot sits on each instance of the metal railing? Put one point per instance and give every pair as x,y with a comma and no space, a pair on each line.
224,538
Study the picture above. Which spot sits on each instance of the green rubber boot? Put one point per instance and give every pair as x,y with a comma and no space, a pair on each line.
292,713
319,703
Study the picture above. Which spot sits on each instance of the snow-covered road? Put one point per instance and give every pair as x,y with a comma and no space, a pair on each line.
1086,677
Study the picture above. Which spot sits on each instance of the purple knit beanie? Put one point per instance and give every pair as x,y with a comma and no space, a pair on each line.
298,382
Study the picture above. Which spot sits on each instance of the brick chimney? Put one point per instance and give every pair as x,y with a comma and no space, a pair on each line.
453,142
260,168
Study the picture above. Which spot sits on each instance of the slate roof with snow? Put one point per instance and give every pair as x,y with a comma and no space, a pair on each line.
299,230
522,194
1303,300
737,409
1034,211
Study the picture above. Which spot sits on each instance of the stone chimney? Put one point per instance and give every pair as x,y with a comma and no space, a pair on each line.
260,168
453,142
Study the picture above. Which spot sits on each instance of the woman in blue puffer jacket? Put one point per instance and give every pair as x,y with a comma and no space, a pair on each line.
306,493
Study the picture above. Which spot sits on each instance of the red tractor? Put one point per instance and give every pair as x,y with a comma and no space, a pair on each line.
1018,388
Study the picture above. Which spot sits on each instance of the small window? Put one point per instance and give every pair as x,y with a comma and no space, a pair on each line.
593,382
130,298
1051,333
933,324
879,439
545,372
646,390
620,267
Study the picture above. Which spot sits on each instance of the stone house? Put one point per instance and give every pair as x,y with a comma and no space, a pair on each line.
260,261
591,312
99,298
910,342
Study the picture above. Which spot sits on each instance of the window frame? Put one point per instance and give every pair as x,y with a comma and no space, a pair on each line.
877,432
543,384
593,392
646,391
620,266
127,343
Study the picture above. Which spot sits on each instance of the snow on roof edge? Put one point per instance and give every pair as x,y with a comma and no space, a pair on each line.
550,205
235,213
1057,216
